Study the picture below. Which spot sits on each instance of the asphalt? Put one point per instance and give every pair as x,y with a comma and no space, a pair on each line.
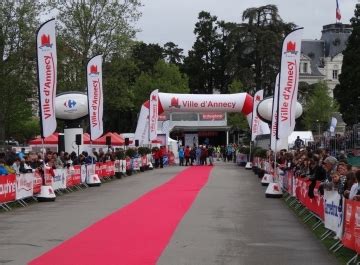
230,222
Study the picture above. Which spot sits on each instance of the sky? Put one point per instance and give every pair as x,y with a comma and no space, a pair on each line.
174,20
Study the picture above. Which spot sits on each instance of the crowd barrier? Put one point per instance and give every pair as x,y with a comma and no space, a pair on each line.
17,187
341,217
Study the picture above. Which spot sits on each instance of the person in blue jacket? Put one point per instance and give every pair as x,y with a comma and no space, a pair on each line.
3,170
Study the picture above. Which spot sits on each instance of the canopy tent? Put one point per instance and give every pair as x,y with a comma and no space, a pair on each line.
52,139
116,139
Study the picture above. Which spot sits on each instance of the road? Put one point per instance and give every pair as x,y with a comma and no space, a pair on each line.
230,222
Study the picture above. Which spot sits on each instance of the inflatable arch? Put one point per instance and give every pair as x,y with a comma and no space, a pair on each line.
240,102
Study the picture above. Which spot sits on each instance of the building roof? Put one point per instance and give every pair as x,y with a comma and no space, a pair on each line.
314,49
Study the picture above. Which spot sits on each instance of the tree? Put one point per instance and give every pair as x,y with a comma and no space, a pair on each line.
173,53
200,64
17,64
165,77
93,27
147,55
319,107
347,93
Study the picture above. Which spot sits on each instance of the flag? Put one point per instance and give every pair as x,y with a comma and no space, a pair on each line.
47,75
95,96
288,83
338,14
153,115
333,124
258,127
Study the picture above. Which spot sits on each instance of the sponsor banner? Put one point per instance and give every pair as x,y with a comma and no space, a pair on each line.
110,168
153,114
123,166
135,163
289,80
212,116
258,127
356,230
24,185
59,180
144,160
334,214
348,238
7,188
83,173
316,204
203,102
47,75
98,168
142,128
37,183
95,96
128,164
48,175
76,175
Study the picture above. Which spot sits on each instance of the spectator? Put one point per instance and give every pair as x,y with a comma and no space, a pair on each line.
16,165
355,190
181,156
210,155
298,142
187,155
3,170
21,154
329,165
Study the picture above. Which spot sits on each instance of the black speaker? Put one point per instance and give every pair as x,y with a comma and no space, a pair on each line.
61,143
78,139
126,141
108,140
136,143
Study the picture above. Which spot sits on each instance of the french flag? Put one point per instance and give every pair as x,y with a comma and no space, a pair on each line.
338,14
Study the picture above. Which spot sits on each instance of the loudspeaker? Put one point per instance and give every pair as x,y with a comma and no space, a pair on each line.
61,143
126,141
108,140
78,139
136,143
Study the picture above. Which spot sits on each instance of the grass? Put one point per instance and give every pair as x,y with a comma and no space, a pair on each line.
343,255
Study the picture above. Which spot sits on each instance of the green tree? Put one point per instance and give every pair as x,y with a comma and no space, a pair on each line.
200,64
165,77
88,28
147,55
319,107
347,93
17,65
173,53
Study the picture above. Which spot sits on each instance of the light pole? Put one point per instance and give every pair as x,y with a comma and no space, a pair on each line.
319,135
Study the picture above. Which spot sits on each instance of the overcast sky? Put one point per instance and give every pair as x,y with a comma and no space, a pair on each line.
174,20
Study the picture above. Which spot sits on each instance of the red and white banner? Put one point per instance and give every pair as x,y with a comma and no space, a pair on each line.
142,128
289,80
7,188
349,223
153,114
95,96
258,127
47,75
334,212
24,185
37,183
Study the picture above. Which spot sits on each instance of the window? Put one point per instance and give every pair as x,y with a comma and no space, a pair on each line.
335,74
304,68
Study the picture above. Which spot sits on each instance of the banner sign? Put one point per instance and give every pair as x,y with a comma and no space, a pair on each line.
288,80
59,179
24,185
37,183
142,128
348,239
7,188
258,126
153,115
334,214
95,96
47,75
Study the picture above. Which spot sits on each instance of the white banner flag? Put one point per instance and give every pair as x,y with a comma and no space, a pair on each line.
95,96
274,114
289,79
256,127
142,128
47,74
153,114
334,212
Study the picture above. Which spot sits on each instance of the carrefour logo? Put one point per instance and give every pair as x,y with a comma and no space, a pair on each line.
70,103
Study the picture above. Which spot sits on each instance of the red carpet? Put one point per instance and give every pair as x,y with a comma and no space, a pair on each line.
137,233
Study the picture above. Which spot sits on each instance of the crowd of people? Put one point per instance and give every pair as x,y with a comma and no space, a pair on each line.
334,173
21,162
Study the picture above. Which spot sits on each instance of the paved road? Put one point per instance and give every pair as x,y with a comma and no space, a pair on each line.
231,222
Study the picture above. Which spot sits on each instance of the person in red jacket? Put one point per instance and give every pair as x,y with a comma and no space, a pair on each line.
156,155
187,155
161,156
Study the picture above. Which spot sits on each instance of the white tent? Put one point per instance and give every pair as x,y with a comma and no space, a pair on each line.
306,136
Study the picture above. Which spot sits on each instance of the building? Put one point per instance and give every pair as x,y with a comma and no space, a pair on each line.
321,60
